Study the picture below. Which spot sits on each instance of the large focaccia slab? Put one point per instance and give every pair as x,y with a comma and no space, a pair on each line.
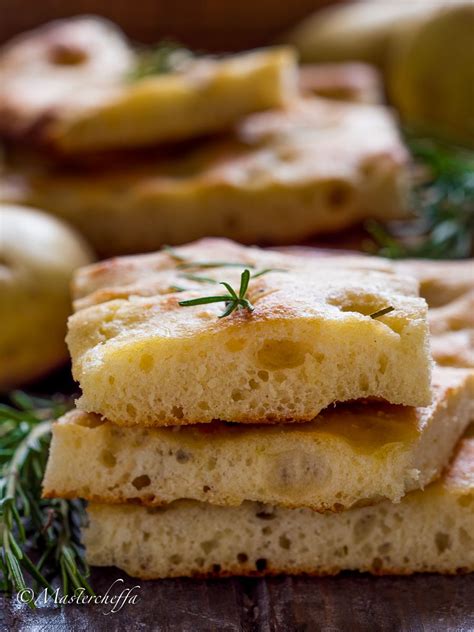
315,166
428,531
350,455
142,358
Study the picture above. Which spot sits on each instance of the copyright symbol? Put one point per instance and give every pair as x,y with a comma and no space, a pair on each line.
25,595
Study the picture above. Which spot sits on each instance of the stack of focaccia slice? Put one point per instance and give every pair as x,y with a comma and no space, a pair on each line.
285,421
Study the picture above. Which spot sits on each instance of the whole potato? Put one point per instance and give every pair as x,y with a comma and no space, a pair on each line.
38,255
430,73
356,31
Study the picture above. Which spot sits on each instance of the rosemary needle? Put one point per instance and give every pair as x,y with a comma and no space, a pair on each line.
382,312
32,528
232,300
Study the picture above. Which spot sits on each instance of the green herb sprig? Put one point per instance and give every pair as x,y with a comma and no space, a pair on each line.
232,300
444,204
39,538
167,56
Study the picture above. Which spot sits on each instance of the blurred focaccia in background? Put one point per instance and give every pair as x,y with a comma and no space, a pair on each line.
316,166
356,82
38,255
50,87
426,50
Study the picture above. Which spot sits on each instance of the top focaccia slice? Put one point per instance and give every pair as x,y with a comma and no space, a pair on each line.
72,85
142,358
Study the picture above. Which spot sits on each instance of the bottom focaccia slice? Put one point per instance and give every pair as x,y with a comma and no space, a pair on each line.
429,531
352,454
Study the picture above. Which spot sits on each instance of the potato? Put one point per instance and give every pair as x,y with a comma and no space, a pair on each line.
425,49
38,255
357,31
430,73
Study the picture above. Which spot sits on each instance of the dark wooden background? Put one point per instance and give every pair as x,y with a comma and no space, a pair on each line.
203,24
349,603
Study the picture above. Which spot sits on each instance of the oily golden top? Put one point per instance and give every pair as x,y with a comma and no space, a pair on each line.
366,427
131,298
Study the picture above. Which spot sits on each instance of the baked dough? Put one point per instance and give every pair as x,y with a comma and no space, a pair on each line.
317,166
351,455
141,358
428,531
38,255
69,85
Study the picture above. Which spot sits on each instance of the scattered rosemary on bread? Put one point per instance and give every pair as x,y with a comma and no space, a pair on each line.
39,538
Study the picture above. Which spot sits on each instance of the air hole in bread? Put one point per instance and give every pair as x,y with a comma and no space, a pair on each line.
175,559
182,456
442,541
139,482
177,412
146,363
108,459
281,354
242,558
237,395
235,344
131,410
66,54
263,375
284,542
261,564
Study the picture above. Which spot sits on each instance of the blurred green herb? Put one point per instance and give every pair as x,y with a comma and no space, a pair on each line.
39,537
443,200
167,56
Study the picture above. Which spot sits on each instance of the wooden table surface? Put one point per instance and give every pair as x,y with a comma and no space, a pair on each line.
348,602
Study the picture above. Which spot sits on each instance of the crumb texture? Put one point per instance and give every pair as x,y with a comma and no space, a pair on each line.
141,358
355,454
429,531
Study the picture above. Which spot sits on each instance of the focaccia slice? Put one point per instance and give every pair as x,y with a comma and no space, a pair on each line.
350,455
315,166
311,340
73,84
429,531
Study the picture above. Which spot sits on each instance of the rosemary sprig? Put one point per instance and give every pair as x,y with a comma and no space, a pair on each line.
183,263
382,312
232,300
444,204
39,538
167,56
202,279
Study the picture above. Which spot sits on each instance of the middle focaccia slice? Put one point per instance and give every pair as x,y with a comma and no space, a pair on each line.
352,454
311,340
284,175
